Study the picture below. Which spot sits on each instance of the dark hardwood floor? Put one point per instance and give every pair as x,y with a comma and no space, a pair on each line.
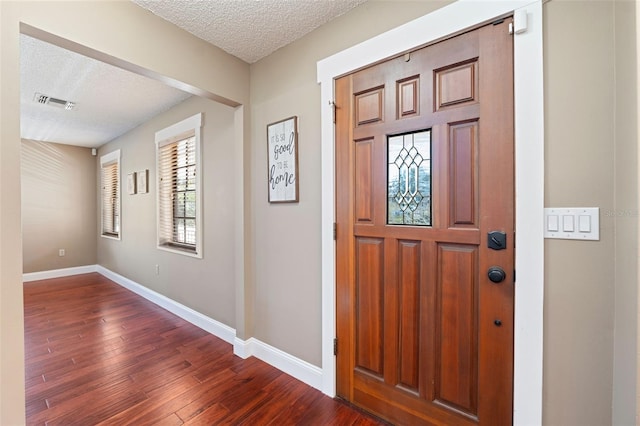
97,353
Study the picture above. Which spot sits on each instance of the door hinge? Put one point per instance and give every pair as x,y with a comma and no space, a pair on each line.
335,231
335,347
332,104
514,276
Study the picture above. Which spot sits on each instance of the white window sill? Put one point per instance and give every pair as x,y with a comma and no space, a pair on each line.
195,254
110,237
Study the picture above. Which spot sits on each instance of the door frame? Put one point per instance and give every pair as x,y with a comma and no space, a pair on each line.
529,179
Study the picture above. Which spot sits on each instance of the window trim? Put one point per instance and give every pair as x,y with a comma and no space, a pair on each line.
107,160
166,136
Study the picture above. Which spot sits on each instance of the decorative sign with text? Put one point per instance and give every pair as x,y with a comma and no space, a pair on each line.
282,152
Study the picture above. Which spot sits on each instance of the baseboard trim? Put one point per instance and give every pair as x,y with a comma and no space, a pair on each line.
210,325
295,367
243,348
289,364
58,273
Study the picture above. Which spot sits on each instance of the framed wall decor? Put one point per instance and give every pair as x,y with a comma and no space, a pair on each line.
143,181
131,183
282,164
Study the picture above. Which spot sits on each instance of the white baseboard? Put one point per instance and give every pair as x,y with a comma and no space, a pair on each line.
243,348
210,325
295,367
57,273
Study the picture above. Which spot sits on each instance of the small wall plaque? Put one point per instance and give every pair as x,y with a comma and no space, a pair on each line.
131,183
282,165
143,181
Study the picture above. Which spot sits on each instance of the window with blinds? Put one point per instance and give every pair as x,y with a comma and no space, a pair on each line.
178,171
110,194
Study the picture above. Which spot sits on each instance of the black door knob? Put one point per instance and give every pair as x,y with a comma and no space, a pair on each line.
496,274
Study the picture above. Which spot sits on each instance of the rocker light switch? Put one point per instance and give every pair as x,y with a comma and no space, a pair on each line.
567,223
581,223
584,223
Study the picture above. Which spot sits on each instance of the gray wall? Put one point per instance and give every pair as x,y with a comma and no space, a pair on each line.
587,164
116,31
626,214
590,328
205,285
579,170
58,206
287,236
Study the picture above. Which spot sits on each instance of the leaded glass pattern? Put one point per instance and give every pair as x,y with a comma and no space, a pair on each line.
409,179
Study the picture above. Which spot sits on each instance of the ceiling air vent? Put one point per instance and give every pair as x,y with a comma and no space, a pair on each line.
48,100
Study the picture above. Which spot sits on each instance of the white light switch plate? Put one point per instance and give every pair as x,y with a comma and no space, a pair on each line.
572,223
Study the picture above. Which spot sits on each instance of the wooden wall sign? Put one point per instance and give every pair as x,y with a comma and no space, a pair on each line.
282,154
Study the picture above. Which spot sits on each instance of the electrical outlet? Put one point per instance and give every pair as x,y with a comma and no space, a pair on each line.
61,252
157,269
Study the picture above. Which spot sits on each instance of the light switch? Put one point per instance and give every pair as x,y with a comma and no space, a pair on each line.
572,223
568,223
584,223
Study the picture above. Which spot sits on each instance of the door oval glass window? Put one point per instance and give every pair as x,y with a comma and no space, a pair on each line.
409,179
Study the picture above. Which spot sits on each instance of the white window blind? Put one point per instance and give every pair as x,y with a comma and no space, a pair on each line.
110,194
179,189
177,193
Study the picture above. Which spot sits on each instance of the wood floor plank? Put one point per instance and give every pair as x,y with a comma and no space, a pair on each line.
211,416
97,353
281,394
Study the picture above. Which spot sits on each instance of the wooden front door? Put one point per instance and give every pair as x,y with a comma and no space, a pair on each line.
425,225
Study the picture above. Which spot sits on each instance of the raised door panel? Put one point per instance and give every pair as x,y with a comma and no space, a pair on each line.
456,84
369,318
369,106
363,181
463,169
409,274
408,97
457,338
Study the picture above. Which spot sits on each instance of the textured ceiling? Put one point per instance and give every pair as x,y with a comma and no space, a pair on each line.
109,101
249,29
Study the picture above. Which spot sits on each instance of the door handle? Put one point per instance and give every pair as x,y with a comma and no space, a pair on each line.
496,274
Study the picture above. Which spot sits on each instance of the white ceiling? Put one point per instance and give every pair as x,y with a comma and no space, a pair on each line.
110,101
